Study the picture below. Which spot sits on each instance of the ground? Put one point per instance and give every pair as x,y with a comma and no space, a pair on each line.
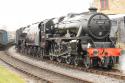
7,76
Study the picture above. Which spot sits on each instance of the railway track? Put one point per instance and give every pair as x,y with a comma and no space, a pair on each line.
55,72
100,71
24,75
49,76
22,70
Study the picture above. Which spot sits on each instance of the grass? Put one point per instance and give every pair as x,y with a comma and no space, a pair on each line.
7,76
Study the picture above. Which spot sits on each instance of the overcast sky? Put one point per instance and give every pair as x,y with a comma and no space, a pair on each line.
17,13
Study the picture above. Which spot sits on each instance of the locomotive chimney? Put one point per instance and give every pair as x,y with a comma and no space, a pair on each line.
92,10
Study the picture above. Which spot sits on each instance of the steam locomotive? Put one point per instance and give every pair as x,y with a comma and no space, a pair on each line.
73,39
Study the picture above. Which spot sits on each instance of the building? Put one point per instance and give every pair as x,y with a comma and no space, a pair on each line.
110,6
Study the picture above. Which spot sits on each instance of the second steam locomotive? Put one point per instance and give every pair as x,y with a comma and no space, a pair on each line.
73,39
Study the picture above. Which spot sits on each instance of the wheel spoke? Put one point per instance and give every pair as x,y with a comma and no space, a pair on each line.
68,60
59,59
51,58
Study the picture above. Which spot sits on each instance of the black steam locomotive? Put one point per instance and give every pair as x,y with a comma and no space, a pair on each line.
74,39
